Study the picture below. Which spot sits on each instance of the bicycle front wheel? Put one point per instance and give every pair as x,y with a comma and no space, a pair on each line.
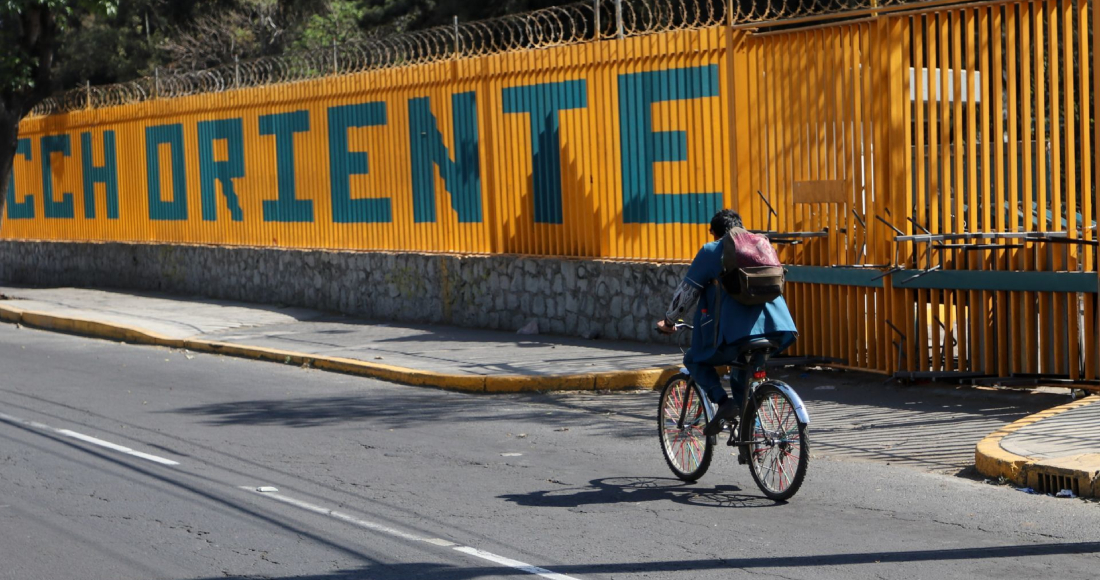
779,449
681,418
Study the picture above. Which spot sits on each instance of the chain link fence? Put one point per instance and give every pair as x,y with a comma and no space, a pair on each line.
557,26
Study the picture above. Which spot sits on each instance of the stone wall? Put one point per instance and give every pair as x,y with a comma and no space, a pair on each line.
589,298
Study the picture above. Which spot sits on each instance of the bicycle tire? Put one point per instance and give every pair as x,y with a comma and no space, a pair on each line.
779,448
687,451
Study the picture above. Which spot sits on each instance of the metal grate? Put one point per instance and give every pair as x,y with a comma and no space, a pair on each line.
1051,483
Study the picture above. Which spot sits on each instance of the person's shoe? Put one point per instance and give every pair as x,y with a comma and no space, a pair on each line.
727,410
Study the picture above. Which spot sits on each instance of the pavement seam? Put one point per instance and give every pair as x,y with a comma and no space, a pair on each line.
650,378
993,460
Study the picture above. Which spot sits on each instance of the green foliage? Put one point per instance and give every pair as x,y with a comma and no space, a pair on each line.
339,22
28,32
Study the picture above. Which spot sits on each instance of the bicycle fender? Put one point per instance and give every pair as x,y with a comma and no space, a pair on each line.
799,406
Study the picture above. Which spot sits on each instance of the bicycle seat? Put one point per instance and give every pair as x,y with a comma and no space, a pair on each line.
757,344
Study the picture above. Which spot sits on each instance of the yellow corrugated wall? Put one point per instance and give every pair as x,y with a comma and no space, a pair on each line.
360,143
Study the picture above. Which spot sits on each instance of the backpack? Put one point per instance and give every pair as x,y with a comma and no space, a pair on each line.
751,271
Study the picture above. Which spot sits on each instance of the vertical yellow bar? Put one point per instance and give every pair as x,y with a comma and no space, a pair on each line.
1072,308
946,99
607,94
965,301
980,349
761,129
852,318
802,152
819,170
1041,151
1029,330
835,130
1057,322
1088,203
923,57
901,143
896,137
743,127
787,154
949,260
1015,328
1000,337
874,85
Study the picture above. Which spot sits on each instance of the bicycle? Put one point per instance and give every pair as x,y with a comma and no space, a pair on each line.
772,437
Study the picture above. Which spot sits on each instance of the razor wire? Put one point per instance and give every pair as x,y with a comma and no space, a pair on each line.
556,26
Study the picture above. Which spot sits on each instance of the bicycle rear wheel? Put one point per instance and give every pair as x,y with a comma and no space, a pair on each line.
687,451
779,449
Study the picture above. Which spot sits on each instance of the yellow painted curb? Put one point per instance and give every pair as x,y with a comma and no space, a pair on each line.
992,460
645,378
11,314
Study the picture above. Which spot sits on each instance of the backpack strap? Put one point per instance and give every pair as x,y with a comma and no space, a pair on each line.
717,308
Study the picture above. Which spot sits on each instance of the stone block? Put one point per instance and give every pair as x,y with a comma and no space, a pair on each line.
616,309
569,273
625,327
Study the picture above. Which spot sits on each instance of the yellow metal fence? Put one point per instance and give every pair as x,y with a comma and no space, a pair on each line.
928,173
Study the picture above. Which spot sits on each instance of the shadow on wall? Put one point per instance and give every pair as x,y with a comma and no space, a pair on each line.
579,233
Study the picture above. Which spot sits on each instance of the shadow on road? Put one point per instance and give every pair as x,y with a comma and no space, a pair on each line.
620,490
395,409
449,572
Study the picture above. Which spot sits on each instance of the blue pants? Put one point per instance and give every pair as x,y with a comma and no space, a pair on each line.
707,377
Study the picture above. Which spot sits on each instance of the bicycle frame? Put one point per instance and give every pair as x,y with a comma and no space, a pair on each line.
751,373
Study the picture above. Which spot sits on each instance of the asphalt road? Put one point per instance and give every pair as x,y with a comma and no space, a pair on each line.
389,482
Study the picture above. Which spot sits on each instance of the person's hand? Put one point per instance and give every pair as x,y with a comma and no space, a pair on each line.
664,327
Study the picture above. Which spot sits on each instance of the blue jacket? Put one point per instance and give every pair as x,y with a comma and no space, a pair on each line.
739,322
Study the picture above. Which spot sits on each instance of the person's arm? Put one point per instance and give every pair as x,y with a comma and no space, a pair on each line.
687,294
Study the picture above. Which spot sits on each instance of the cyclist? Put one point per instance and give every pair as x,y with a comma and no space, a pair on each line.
711,347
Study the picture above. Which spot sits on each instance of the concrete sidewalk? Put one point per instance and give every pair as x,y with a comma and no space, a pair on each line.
445,357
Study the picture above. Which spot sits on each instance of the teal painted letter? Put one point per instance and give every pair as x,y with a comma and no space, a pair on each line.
211,172
171,135
543,102
107,174
461,177
641,146
288,208
343,164
20,210
54,209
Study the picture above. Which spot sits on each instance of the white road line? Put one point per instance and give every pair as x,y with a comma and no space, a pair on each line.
513,563
87,439
335,514
521,566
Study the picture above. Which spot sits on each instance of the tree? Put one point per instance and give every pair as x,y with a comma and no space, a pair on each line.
30,32
106,48
243,29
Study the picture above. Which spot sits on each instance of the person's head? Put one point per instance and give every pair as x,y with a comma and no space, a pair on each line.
723,222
